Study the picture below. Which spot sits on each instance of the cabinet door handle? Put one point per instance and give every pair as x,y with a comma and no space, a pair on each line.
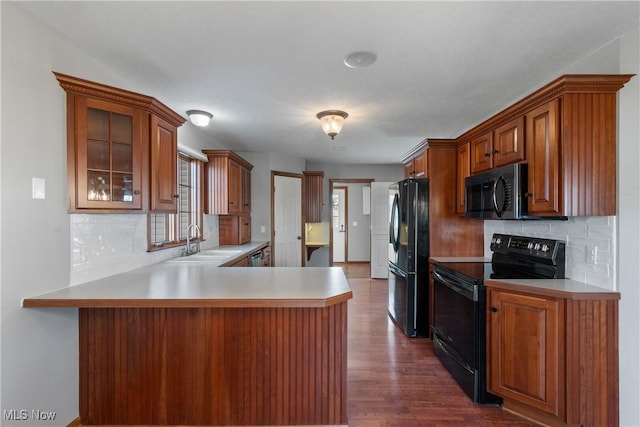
136,192
495,151
177,196
487,154
527,194
494,310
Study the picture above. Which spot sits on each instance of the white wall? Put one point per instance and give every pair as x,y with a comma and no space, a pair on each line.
39,366
616,239
359,237
628,238
263,163
336,171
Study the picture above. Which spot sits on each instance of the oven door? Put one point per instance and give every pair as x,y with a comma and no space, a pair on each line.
455,315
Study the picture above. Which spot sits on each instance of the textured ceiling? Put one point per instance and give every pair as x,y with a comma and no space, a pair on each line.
264,69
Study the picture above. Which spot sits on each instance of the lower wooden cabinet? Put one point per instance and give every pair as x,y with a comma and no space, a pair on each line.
526,347
553,356
266,257
234,229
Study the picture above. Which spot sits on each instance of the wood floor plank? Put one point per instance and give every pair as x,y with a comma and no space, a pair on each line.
393,380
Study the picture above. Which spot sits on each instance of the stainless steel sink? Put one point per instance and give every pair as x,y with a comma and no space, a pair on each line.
218,259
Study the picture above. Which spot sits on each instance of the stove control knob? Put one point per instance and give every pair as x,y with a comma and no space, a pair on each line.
530,246
536,246
545,247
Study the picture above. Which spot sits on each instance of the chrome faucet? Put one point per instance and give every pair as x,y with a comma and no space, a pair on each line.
192,248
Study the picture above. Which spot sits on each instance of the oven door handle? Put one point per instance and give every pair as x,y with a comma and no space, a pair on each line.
468,293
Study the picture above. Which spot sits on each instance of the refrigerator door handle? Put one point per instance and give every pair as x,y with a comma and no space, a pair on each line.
395,270
394,225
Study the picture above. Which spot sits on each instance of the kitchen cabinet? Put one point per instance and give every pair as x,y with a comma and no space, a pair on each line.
121,149
234,229
164,154
228,195
543,156
499,147
266,256
525,358
480,149
463,170
571,151
228,188
416,166
449,233
566,132
313,185
553,353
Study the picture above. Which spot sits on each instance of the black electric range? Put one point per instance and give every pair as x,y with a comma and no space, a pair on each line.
460,303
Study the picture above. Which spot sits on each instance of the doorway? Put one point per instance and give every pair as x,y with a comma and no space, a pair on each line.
356,224
286,219
339,210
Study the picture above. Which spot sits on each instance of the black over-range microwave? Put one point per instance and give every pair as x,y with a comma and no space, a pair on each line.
497,194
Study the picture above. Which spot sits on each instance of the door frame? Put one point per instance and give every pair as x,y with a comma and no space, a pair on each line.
346,223
302,207
337,182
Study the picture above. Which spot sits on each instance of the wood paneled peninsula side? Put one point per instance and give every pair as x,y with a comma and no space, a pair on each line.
194,344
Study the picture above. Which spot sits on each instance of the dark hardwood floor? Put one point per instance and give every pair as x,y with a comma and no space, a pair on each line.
394,380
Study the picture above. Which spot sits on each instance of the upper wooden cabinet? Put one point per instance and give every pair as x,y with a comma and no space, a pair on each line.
462,171
543,156
234,229
416,166
313,187
499,147
228,189
121,147
164,152
568,128
480,149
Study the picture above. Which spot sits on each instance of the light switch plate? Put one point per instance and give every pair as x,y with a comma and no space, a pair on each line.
38,188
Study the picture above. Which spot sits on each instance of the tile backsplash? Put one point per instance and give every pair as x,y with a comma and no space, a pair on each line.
106,244
590,244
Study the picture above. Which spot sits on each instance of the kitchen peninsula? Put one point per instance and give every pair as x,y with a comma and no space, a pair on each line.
193,344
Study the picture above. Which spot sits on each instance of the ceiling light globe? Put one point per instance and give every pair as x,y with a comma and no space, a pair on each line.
332,121
199,118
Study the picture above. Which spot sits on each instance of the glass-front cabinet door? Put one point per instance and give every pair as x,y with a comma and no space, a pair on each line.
108,157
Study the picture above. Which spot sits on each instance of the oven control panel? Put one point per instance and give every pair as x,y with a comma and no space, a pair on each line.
524,245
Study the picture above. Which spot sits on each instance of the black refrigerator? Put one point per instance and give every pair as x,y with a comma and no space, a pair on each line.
409,256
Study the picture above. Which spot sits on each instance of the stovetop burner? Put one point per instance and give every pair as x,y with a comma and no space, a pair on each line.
515,257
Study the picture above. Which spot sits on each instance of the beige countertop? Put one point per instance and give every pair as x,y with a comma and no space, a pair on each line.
205,285
563,288
316,243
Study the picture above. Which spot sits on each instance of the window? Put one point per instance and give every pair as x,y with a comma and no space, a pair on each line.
169,230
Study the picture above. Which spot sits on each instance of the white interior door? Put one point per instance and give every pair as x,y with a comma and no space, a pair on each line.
339,223
379,229
287,213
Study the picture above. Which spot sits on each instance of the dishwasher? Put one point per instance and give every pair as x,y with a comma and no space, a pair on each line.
255,259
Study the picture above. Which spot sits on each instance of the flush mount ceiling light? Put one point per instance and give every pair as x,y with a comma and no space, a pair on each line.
199,117
360,59
332,121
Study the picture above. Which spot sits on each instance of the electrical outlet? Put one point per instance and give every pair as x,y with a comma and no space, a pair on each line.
591,254
38,188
